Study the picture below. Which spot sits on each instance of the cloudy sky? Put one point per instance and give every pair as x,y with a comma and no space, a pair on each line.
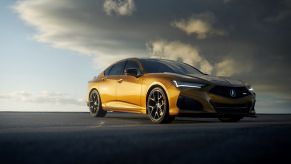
49,49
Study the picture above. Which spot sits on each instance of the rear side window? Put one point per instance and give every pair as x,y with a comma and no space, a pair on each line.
132,64
117,69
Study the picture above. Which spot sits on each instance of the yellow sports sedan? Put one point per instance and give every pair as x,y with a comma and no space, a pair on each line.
163,89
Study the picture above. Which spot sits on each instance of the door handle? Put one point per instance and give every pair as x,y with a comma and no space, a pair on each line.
120,80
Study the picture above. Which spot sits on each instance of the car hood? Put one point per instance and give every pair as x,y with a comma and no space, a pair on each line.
207,79
219,80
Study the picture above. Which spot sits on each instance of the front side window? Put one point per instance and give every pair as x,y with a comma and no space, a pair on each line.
117,69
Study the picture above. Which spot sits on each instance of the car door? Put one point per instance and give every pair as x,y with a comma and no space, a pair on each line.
129,88
109,84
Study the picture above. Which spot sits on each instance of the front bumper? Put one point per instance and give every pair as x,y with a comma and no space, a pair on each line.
202,103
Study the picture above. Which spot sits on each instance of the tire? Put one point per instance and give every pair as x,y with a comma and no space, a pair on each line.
95,106
230,119
157,106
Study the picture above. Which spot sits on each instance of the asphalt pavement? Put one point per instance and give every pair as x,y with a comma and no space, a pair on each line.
27,137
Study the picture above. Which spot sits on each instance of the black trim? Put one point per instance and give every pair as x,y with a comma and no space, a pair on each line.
232,108
188,104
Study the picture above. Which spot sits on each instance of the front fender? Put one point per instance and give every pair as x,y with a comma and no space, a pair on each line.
171,91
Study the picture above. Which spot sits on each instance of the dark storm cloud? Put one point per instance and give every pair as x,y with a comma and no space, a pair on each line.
267,43
254,45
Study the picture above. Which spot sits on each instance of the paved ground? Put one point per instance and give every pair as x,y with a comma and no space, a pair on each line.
129,138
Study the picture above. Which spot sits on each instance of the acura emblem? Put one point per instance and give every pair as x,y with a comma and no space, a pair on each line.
232,93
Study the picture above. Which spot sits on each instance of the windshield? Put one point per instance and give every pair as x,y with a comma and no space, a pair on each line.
160,66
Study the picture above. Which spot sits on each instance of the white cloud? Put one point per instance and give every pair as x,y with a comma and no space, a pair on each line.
61,25
44,97
63,31
54,28
104,61
200,24
179,51
230,66
176,50
76,26
119,7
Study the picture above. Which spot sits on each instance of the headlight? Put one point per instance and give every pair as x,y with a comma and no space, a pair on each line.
250,88
181,84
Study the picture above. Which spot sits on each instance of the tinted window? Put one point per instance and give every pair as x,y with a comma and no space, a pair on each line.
132,64
117,68
153,66
106,72
159,66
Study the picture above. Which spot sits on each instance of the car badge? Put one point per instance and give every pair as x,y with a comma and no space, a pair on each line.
232,93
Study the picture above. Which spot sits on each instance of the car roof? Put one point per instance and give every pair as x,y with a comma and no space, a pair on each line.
148,58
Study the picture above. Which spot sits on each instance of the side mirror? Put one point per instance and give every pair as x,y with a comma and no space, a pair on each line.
131,71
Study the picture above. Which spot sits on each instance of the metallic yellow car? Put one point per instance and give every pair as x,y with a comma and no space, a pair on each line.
163,89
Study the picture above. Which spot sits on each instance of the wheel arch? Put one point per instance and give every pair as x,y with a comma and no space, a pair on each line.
89,93
154,85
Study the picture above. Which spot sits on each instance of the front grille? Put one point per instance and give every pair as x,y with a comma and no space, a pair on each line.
232,108
230,92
